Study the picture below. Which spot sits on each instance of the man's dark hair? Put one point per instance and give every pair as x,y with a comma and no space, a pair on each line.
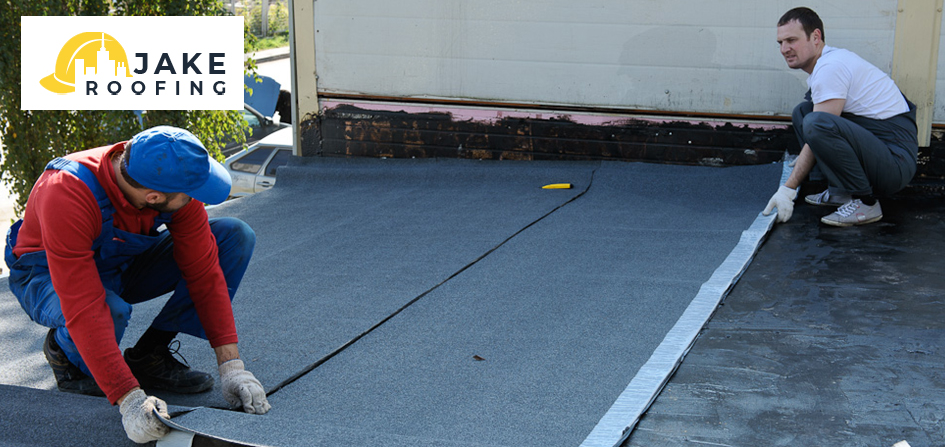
808,19
123,163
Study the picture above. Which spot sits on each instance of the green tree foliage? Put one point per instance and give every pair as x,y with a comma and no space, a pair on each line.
32,138
278,17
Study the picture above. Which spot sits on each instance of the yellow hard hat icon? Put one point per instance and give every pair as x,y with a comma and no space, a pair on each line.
84,46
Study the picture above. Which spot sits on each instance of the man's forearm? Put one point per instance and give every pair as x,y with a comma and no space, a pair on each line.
226,353
805,162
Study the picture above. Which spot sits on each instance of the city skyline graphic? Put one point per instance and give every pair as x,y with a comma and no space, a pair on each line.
84,56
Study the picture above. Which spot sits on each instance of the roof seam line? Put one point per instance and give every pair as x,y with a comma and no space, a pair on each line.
354,340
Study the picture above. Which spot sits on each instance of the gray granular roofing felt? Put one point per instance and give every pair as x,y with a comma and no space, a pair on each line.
525,312
49,418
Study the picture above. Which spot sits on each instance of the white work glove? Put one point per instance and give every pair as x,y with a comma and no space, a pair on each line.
783,200
240,388
137,416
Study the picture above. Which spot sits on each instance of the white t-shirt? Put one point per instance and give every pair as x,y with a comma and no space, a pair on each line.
841,74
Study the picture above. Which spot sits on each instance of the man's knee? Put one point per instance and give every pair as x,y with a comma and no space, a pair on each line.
819,125
800,111
120,310
234,233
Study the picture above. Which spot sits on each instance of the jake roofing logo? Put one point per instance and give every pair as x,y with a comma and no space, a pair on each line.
131,63
83,55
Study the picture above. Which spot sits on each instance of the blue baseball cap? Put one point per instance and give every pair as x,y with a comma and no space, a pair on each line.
169,159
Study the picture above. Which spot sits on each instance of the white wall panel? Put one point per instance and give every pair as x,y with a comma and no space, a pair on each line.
710,56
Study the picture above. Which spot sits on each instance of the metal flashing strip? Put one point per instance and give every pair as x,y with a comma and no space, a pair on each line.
617,424
177,438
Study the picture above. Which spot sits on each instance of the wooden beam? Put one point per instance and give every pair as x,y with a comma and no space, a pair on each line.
302,61
915,57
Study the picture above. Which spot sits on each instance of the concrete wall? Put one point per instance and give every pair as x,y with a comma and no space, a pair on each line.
707,57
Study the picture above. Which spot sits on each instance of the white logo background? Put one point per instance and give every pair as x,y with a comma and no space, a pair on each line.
44,37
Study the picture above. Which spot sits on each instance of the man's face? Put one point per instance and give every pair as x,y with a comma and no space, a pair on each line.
799,51
171,203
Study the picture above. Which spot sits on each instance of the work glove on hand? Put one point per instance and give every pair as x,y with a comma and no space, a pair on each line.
783,200
240,387
137,416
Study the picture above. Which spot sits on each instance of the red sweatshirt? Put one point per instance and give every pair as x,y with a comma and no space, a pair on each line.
63,218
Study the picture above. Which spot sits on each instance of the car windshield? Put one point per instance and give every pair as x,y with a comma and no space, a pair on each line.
250,118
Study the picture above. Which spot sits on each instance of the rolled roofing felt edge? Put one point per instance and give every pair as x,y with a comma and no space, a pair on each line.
616,425
184,436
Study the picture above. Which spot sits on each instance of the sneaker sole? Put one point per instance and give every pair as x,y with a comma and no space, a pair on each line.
817,203
850,224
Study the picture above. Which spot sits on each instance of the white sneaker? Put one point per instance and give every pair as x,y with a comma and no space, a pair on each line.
854,212
827,199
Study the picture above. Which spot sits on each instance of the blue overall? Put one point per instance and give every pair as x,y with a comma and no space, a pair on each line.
133,268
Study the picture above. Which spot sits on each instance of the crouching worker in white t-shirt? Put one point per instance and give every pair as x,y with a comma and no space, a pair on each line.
856,128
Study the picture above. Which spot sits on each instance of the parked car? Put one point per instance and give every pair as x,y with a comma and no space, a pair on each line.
260,126
254,169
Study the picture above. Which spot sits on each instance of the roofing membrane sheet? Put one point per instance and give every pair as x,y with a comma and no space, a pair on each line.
455,302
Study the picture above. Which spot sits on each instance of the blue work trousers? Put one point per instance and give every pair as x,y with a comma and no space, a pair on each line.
150,274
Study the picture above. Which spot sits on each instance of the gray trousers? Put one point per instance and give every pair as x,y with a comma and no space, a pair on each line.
857,155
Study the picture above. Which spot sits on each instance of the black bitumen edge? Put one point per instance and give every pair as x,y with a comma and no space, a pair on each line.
618,423
354,340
